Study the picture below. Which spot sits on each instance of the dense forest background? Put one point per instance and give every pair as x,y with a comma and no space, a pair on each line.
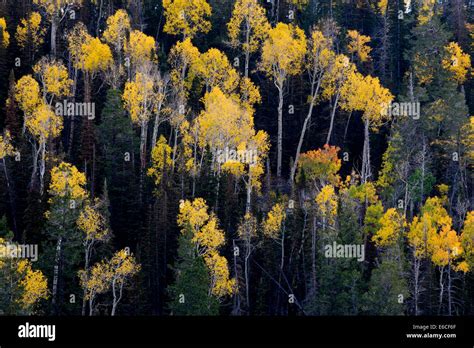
193,157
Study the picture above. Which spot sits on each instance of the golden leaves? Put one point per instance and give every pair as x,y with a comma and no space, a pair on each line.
248,26
321,165
392,225
54,76
139,97
93,224
6,147
358,45
33,283
95,56
274,221
161,159
27,94
326,201
186,17
30,31
67,182
140,48
283,51
118,25
457,62
44,123
208,238
4,35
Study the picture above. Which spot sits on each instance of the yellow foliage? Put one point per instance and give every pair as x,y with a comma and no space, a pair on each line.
183,57
320,166
138,97
207,237
186,17
392,225
33,284
93,224
4,35
326,201
358,45
55,8
27,94
76,38
118,26
140,48
426,11
221,283
160,159
96,56
67,182
467,239
283,52
30,31
216,71
366,94
6,147
457,62
44,123
274,221
54,76
248,26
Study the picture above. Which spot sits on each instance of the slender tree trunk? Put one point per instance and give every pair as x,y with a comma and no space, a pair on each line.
280,130
42,165
57,265
54,28
11,196
333,114
366,170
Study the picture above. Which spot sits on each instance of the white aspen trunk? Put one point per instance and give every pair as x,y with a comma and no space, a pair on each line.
280,129
366,171
333,114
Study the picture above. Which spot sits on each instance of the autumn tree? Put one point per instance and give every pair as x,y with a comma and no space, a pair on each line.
282,56
186,18
30,34
248,28
56,11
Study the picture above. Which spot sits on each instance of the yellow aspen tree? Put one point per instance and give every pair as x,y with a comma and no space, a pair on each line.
33,283
43,125
332,85
248,28
160,160
30,34
392,227
467,242
92,223
118,27
426,11
27,95
320,167
247,232
139,99
208,238
366,94
326,201
115,35
274,228
94,282
282,56
67,192
187,17
4,35
123,266
358,45
54,78
214,68
140,49
318,64
457,62
56,11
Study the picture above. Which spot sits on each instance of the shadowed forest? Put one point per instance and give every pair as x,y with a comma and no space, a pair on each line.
236,157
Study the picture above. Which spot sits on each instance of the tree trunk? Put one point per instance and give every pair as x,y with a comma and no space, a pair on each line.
280,130
366,171
333,114
54,28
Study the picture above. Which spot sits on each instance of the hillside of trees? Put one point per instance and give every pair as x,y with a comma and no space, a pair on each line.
229,157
